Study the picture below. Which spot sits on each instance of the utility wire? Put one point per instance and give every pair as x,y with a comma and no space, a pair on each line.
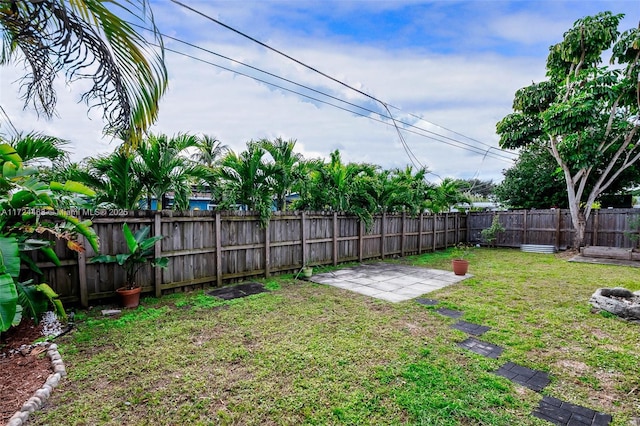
457,133
384,104
404,143
473,149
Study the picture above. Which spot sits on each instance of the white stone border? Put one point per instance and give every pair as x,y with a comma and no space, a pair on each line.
41,395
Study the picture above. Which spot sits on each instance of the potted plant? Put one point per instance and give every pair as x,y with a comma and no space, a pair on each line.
459,260
307,271
140,247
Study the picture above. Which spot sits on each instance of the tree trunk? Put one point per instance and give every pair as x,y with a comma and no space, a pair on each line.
579,228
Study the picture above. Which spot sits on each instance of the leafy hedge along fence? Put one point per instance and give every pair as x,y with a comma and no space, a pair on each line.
211,248
605,227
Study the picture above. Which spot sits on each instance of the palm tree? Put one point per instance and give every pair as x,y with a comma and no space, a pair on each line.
446,195
209,154
85,39
35,148
114,177
209,151
164,167
285,167
247,179
402,190
341,187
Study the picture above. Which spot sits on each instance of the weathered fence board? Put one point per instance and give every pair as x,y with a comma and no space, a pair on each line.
209,248
608,227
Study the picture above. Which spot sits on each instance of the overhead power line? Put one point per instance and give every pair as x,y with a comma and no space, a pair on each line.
454,142
386,106
404,143
470,148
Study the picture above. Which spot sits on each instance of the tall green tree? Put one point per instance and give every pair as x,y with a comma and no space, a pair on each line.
36,148
534,182
247,180
165,167
585,114
116,179
403,190
286,168
336,186
92,40
446,195
209,151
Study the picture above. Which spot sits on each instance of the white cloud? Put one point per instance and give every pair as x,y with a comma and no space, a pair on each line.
467,90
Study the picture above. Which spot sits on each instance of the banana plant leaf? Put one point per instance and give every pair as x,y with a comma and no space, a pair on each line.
9,256
83,228
72,186
9,154
53,297
26,259
8,301
32,301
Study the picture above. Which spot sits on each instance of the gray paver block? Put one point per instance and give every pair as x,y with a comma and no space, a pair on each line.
566,414
471,328
427,302
410,291
366,290
449,313
383,285
392,297
482,348
424,288
535,380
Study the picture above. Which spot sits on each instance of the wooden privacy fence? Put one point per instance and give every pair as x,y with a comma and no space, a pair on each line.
605,227
210,248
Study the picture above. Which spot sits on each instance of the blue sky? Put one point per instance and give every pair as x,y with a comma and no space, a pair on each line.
456,64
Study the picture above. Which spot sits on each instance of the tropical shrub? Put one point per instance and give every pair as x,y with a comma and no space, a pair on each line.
30,211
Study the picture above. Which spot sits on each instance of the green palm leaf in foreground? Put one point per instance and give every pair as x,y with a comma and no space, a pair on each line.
51,36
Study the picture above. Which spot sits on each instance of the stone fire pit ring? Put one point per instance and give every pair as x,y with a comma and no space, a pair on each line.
618,301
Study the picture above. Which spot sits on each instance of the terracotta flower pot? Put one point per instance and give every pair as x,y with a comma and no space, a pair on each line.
130,297
460,266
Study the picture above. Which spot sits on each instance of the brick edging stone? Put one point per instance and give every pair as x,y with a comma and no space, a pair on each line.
41,395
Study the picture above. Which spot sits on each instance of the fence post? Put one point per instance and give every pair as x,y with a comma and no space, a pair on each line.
446,230
596,225
157,230
82,274
267,250
457,227
218,250
303,239
433,216
524,227
558,216
402,233
420,233
335,238
382,234
360,240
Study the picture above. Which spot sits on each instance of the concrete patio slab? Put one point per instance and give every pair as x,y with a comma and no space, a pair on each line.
393,283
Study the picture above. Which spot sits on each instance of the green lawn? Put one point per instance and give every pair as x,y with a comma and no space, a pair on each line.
313,354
